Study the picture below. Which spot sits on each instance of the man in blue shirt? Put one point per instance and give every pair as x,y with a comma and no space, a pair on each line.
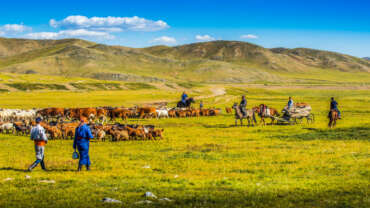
290,103
184,96
334,106
82,142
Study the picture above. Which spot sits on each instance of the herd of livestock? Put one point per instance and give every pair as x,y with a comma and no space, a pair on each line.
60,123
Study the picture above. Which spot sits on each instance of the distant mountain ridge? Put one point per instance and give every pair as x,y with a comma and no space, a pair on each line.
215,61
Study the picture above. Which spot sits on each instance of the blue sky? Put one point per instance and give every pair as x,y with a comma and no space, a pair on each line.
342,26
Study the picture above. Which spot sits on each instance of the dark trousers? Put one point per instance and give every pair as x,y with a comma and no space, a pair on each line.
83,148
42,163
243,110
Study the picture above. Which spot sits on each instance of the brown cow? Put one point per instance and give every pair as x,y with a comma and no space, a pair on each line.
88,112
214,112
118,135
156,133
205,112
135,133
147,112
228,110
181,113
172,113
195,112
54,132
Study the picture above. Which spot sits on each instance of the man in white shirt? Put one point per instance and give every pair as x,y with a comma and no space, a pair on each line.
39,137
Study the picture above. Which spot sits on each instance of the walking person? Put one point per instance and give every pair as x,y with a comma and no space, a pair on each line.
82,142
39,137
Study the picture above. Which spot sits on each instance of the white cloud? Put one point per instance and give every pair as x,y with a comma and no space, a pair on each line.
79,33
249,36
204,38
13,29
164,40
107,23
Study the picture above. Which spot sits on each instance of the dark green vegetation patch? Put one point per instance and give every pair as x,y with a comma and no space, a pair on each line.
97,86
189,85
139,86
37,86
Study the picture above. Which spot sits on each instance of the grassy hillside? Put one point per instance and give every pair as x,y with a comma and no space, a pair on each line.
210,62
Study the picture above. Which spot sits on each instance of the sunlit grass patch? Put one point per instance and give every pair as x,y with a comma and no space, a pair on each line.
139,86
203,161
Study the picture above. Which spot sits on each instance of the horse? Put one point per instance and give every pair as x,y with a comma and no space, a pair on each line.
239,115
267,113
187,104
333,117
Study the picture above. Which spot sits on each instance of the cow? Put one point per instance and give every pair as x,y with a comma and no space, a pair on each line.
146,112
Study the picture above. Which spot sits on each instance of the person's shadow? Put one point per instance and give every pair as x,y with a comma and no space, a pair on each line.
13,169
26,170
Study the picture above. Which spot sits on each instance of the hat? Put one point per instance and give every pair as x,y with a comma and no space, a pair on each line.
38,120
83,119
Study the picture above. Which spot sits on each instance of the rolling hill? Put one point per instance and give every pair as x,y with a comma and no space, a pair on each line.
208,62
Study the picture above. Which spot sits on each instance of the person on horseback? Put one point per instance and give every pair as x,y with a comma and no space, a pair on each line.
290,103
184,96
334,106
243,105
263,110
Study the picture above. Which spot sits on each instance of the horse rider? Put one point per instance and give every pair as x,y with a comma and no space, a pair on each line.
82,143
184,96
39,137
290,103
334,106
243,105
201,105
263,110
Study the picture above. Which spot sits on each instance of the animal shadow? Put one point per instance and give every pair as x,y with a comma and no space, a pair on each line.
217,126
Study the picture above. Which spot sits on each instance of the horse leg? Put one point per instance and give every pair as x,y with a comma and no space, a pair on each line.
241,122
236,122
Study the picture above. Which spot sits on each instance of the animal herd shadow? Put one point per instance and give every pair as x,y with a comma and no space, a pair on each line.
48,169
348,133
225,126
217,126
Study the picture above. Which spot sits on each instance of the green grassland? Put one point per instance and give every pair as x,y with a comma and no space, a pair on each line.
204,161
